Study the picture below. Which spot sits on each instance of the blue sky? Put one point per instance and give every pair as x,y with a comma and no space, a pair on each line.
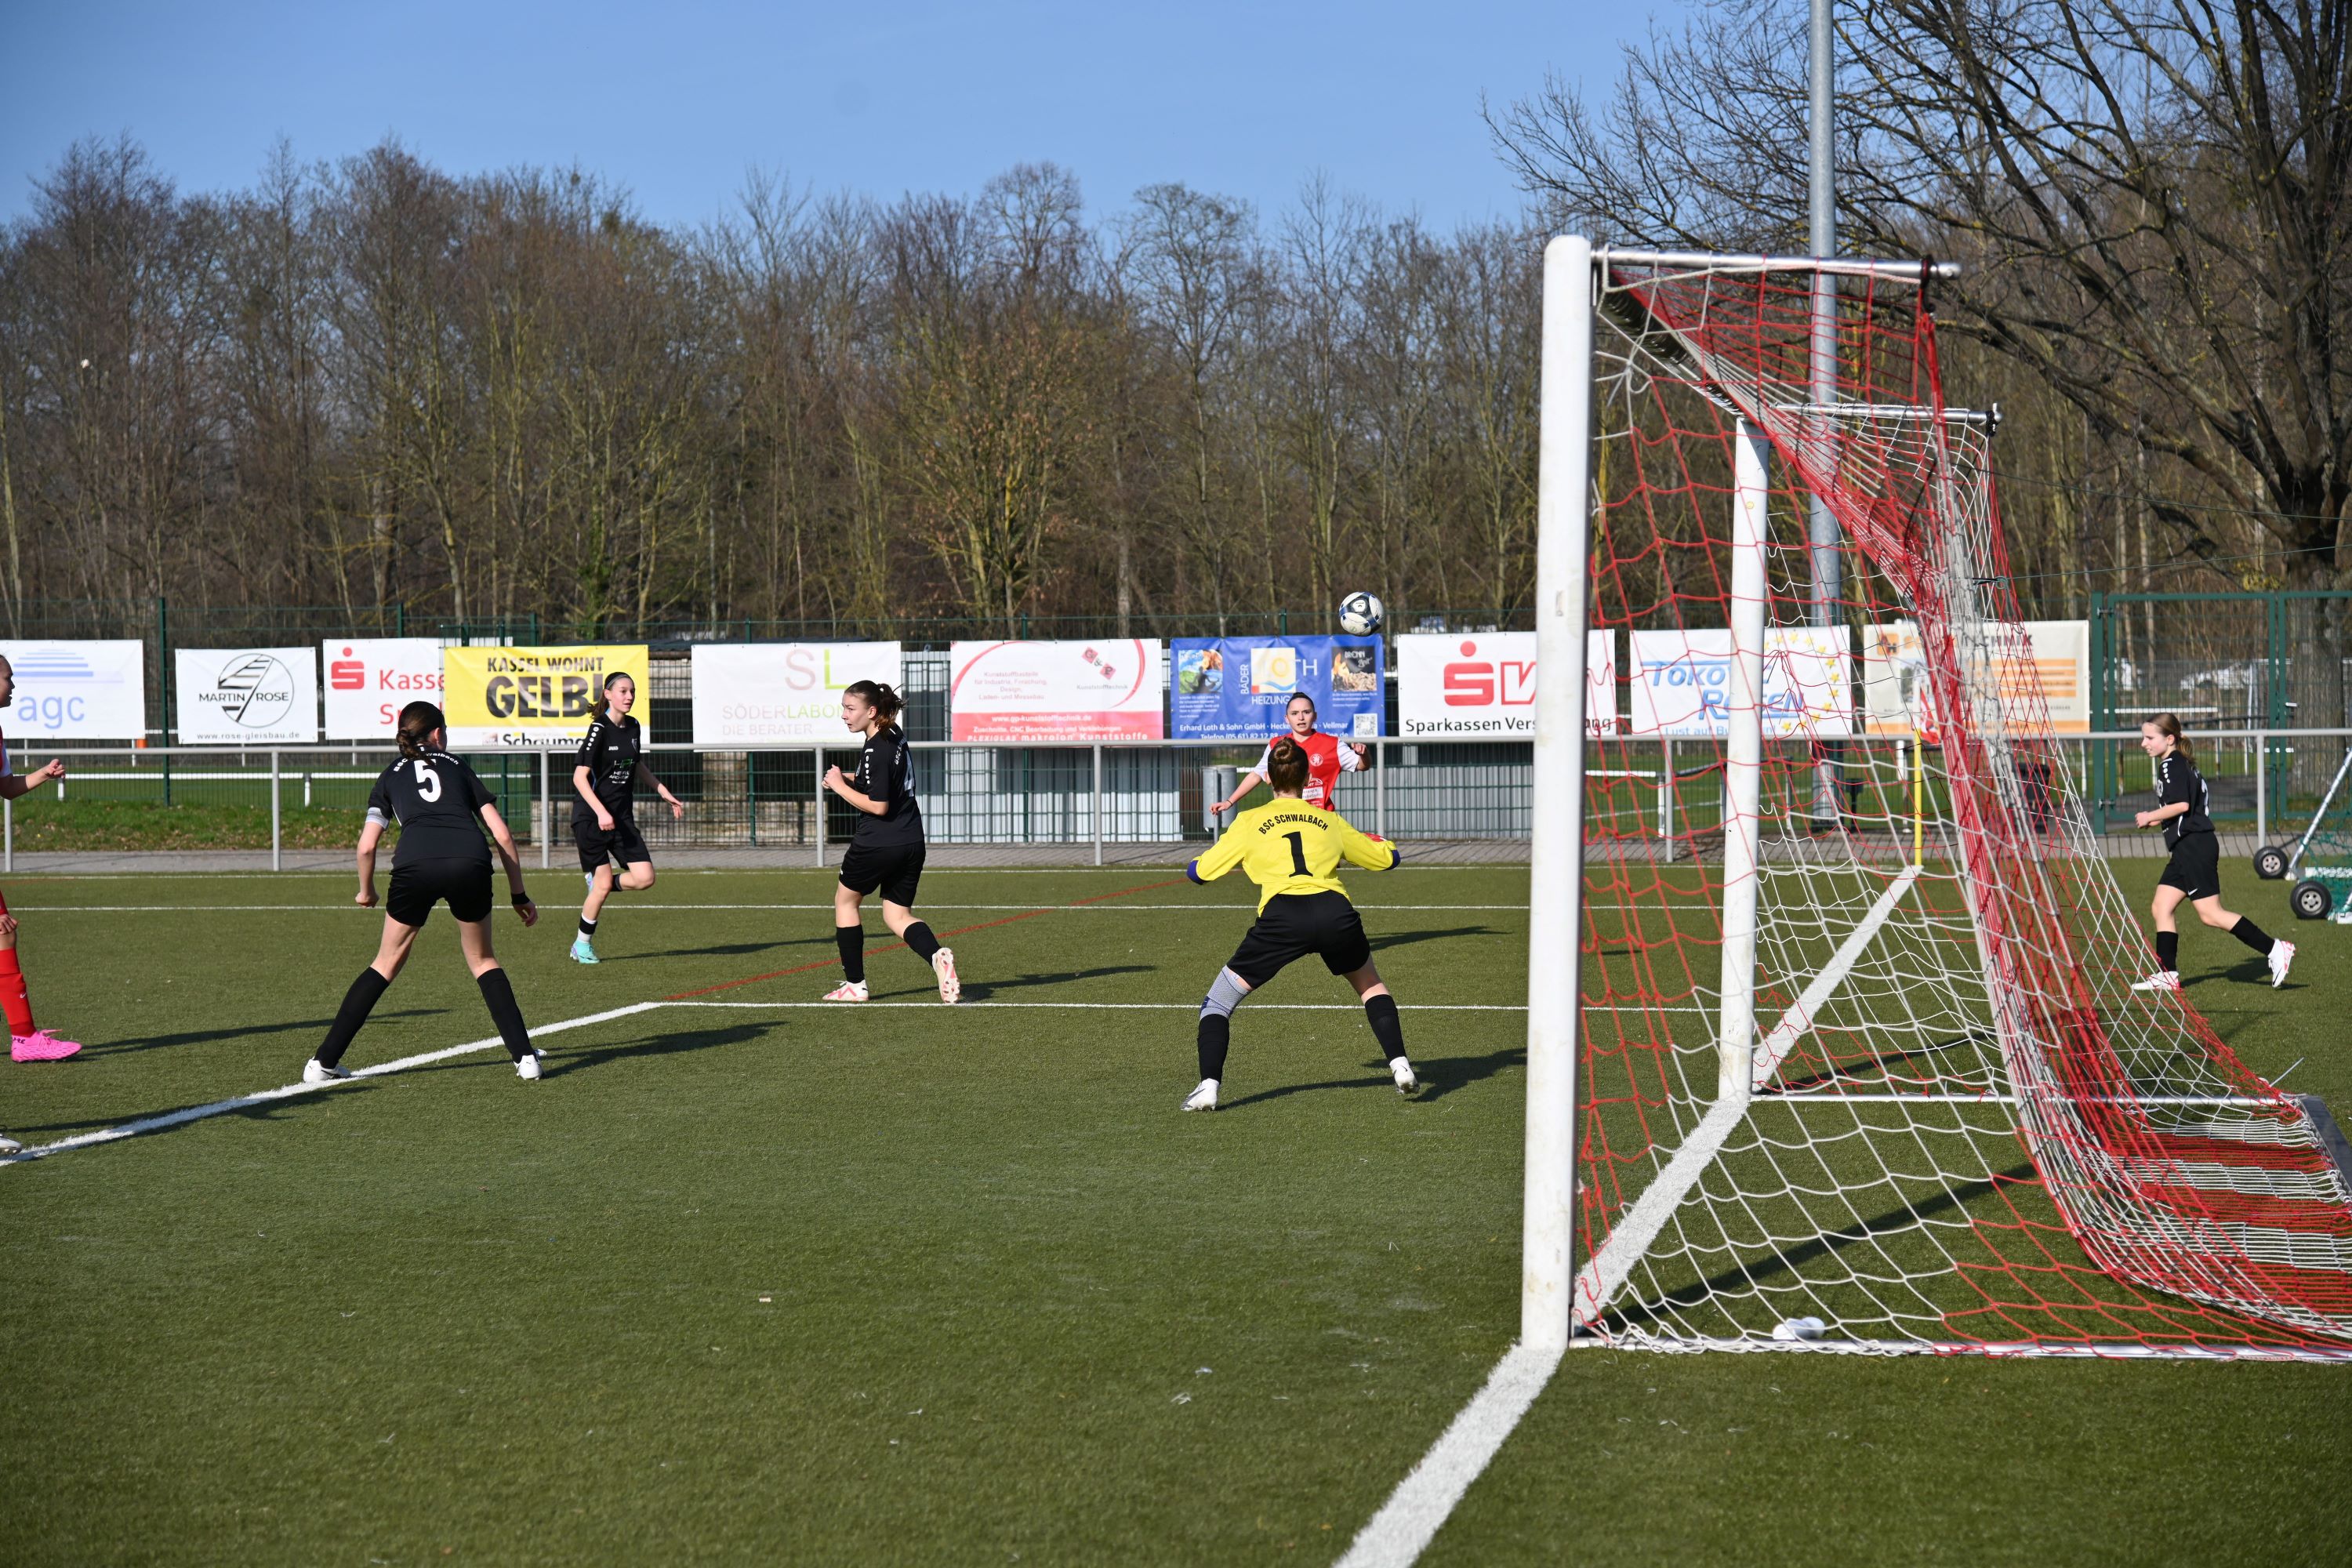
676,100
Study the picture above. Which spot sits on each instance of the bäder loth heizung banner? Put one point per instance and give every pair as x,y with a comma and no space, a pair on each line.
532,698
1237,688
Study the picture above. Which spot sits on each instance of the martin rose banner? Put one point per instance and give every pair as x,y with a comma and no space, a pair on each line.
245,695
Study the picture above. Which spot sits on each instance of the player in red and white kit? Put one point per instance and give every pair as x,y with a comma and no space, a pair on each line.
1328,757
26,1043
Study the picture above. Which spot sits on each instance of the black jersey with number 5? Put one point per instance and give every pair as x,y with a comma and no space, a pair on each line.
437,802
609,752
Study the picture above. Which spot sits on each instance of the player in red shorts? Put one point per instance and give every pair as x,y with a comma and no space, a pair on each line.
1328,757
26,1043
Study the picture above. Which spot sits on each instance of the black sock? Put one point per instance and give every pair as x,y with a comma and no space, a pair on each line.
358,1002
2167,949
587,926
1216,1035
851,940
919,937
504,1013
2249,934
1381,1012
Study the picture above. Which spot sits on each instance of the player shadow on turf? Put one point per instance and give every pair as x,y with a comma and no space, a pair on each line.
1406,938
973,992
199,1036
1439,1076
724,950
673,1044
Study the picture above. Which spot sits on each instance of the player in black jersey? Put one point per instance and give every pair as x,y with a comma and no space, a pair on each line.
2194,872
441,809
887,852
611,761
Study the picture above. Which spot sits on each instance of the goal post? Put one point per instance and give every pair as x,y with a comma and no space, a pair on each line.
1782,1064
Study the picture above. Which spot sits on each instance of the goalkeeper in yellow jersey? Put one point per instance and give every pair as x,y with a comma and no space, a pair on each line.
1292,851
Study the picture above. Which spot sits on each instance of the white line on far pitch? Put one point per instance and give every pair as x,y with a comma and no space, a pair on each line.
632,907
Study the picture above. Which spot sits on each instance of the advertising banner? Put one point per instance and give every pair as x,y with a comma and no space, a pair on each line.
1483,685
1682,682
371,680
1055,691
78,691
2048,662
1235,688
534,699
244,696
772,694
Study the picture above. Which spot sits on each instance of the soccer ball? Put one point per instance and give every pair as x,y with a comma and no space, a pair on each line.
1359,615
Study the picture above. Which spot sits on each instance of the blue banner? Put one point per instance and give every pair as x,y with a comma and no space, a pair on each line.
1235,688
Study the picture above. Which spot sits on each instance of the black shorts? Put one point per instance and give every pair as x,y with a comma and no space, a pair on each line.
2196,866
896,869
623,844
1295,925
417,887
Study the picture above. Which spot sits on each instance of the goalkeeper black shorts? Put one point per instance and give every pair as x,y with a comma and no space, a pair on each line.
1294,925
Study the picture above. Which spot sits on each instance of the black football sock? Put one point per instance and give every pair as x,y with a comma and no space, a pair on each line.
2249,934
851,940
2167,949
587,926
919,937
358,1002
1382,1013
1216,1036
504,1013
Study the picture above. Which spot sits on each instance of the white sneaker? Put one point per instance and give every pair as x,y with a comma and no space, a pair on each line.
2282,959
1401,1071
847,991
1203,1098
9,1146
2162,980
317,1071
527,1070
943,965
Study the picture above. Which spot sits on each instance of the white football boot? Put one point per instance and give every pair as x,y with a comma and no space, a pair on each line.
847,991
2282,959
527,1070
9,1146
1203,1098
943,965
2162,980
1401,1071
317,1071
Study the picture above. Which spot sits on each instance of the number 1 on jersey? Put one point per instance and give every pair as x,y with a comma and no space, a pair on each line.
1298,853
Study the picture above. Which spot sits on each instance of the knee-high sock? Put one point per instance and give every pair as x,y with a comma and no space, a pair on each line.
919,937
504,1012
1216,1036
1382,1013
851,940
2252,935
2167,949
14,997
358,1002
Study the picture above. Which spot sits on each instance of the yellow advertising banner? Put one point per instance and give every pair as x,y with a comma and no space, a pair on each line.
532,698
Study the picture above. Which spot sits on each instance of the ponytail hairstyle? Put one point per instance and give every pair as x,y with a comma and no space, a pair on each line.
878,696
417,723
603,707
2170,724
1285,767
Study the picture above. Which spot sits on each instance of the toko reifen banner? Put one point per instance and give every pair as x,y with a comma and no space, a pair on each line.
371,680
1237,688
534,699
775,694
245,695
1055,691
1682,682
78,691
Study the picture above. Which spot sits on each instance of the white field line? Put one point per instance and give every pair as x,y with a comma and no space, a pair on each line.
1598,1282
1127,1006
634,908
239,1102
1409,1520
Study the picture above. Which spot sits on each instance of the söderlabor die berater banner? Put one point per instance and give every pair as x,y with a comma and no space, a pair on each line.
532,698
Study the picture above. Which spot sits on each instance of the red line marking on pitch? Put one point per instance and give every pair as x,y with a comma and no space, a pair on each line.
895,946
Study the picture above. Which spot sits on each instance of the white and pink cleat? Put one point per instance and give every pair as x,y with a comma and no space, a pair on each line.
847,991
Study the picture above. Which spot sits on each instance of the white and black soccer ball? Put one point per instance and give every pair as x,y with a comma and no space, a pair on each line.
1360,615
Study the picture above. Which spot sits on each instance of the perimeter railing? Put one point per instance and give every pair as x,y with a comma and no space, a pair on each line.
1084,796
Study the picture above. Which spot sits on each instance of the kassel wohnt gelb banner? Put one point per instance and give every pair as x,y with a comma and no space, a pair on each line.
532,698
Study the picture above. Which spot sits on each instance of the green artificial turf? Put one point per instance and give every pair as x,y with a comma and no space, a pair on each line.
1016,1306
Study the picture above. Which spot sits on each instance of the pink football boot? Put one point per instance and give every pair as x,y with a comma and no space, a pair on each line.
41,1046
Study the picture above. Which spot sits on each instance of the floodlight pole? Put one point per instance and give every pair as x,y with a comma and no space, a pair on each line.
1823,532
1563,518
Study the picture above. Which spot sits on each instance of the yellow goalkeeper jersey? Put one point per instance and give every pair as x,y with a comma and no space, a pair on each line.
1290,847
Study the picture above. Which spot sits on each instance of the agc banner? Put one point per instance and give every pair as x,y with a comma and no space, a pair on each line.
1682,682
78,691
770,694
1482,687
1237,688
245,695
1055,691
534,699
371,680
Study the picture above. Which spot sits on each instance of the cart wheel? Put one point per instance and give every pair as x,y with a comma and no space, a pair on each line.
2312,901
2269,862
